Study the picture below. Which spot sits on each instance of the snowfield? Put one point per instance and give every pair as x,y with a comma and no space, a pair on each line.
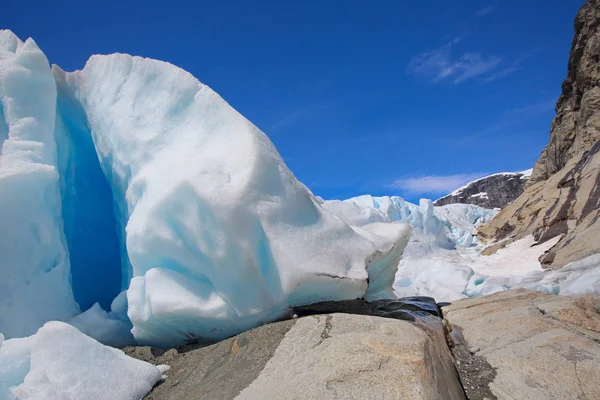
134,193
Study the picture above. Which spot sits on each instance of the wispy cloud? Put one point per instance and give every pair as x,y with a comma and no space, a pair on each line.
501,73
434,184
297,115
440,65
486,10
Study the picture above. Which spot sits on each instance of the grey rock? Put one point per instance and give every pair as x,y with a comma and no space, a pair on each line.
527,345
494,191
330,356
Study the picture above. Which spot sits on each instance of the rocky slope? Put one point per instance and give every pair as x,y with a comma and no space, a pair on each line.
493,191
563,197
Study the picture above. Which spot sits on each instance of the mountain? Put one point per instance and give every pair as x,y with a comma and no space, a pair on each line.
563,196
493,191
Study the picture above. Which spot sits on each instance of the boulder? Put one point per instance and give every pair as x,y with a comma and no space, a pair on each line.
329,356
526,345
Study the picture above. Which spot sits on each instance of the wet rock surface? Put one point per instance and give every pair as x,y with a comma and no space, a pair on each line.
406,308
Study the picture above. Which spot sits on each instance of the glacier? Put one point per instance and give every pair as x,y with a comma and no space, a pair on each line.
130,176
35,285
443,257
134,193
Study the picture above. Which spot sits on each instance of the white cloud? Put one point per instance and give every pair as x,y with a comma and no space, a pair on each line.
486,10
441,65
434,184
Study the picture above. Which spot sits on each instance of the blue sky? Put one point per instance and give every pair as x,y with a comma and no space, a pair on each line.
409,98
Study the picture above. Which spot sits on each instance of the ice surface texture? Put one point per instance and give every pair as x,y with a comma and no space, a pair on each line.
34,263
59,362
131,174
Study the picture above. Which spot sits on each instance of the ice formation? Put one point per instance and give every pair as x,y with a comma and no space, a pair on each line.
132,175
35,269
59,362
446,227
443,257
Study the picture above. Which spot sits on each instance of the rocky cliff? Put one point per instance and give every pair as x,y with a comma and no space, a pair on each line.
576,127
493,191
563,197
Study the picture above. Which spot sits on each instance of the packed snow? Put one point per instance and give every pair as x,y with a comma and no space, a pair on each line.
134,193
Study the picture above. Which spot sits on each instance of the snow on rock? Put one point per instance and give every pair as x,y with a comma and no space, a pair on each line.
59,362
132,175
34,263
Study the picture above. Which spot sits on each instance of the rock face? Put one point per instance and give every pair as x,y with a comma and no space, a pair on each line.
494,191
576,127
329,356
527,345
563,197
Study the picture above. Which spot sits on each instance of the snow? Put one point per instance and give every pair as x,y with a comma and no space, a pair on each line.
574,279
483,195
464,272
443,257
59,362
527,173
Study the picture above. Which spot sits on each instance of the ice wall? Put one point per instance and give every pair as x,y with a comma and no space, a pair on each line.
219,233
34,263
139,177
90,224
